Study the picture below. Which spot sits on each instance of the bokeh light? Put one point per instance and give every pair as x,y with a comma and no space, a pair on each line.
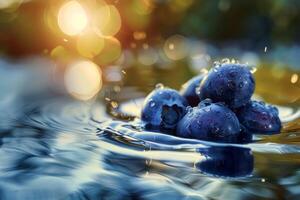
250,58
139,35
10,4
180,6
72,18
107,20
83,79
111,51
89,44
147,56
199,62
137,13
143,7
176,47
61,54
113,73
294,78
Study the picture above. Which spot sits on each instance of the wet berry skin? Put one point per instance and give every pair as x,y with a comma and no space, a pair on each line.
163,108
210,121
232,84
188,90
258,117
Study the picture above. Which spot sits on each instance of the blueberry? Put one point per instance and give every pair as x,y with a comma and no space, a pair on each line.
226,161
258,117
245,136
232,84
163,108
210,121
188,90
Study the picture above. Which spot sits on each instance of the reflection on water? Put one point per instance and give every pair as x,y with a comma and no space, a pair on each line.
53,147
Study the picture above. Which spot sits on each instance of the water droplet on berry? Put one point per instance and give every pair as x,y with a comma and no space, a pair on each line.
206,109
199,122
253,69
234,61
241,84
197,90
216,129
270,126
159,86
216,64
205,103
189,109
225,60
152,103
228,115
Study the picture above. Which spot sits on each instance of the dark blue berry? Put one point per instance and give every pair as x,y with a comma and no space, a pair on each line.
210,121
188,90
228,161
258,117
232,84
245,136
163,108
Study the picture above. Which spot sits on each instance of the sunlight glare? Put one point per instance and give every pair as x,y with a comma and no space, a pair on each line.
72,18
83,80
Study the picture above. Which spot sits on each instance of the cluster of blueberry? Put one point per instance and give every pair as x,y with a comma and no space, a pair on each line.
216,106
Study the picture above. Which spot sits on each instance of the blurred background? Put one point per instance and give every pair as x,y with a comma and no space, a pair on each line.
68,66
93,44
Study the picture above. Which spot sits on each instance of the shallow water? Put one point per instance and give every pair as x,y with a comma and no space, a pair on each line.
53,147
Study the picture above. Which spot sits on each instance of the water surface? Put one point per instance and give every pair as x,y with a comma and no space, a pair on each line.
54,147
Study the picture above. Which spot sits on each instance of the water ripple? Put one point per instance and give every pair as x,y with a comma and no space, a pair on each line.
63,149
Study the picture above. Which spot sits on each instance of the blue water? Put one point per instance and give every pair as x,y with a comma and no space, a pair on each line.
53,147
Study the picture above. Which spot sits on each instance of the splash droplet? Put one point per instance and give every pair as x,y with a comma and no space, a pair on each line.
114,104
